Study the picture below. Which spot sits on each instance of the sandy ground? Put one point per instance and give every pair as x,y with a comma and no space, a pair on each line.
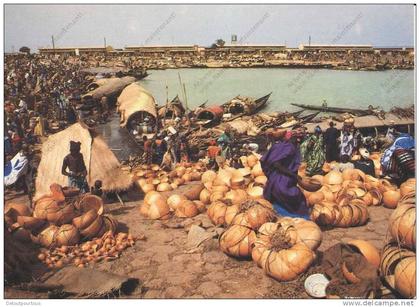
167,269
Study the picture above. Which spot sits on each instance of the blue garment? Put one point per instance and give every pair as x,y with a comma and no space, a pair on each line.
280,188
282,211
8,149
404,141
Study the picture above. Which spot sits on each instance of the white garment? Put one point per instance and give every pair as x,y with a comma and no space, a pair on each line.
15,168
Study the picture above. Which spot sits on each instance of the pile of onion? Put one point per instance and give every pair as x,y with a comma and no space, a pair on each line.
280,254
108,247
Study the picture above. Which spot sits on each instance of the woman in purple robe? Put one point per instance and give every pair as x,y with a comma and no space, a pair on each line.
280,164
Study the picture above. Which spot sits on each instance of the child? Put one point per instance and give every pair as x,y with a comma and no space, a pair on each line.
97,188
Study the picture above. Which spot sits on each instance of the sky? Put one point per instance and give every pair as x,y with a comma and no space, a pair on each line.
134,25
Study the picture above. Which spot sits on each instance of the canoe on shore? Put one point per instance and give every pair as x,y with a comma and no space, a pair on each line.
240,105
234,108
174,108
109,87
358,112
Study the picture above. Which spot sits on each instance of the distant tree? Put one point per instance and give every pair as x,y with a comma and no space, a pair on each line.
220,42
25,49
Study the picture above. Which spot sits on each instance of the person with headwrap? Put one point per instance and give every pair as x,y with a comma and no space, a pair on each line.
280,164
77,169
313,154
348,142
399,159
365,164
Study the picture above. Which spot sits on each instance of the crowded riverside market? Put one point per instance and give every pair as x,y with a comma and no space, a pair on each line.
212,201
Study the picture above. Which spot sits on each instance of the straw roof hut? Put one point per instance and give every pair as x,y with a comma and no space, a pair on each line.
100,161
133,99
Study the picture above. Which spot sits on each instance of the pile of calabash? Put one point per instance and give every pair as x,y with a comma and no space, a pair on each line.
157,206
108,247
398,261
152,178
58,221
284,248
344,197
249,181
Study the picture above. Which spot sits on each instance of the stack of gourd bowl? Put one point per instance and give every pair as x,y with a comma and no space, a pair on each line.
153,178
62,220
398,260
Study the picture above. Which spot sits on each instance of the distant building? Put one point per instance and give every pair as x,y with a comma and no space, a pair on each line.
245,49
335,47
75,50
161,51
391,50
234,39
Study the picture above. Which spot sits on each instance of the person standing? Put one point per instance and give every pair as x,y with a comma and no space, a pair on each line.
161,148
313,154
147,148
331,143
77,169
391,132
225,142
212,152
348,142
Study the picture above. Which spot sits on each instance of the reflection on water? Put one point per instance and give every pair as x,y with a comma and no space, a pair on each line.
118,139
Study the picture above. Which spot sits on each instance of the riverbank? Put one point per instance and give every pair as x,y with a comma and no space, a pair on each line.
339,65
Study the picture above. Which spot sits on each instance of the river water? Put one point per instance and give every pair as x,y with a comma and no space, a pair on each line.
355,89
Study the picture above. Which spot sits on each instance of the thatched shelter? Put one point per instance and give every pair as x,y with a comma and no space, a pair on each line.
100,161
133,100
